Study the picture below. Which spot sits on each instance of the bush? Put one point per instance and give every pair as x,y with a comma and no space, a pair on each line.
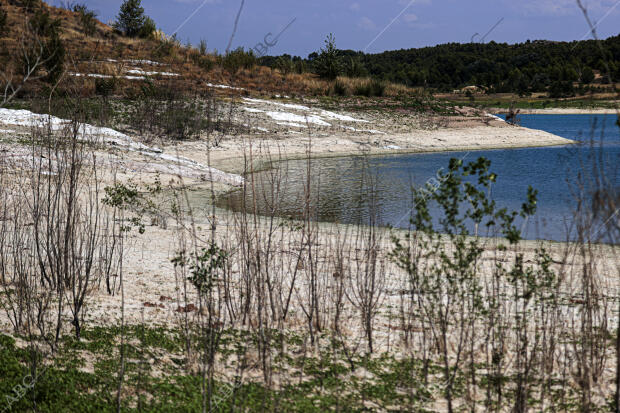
285,65
43,25
300,67
373,88
587,76
147,29
3,18
354,68
561,89
238,59
88,19
202,61
166,46
340,89
105,87
54,56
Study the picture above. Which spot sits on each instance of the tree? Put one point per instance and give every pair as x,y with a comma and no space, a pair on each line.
328,64
587,76
2,21
131,18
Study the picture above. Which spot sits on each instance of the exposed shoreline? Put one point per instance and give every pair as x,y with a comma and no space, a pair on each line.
234,156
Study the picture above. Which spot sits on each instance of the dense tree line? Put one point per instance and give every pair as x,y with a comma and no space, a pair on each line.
533,66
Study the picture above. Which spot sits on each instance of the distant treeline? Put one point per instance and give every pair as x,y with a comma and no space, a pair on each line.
533,66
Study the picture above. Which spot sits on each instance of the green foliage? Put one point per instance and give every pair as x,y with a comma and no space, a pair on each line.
43,25
561,89
202,48
354,68
126,197
328,65
339,88
238,59
88,19
301,67
202,61
587,75
373,88
204,267
131,18
105,87
166,46
53,56
147,29
522,68
3,19
285,65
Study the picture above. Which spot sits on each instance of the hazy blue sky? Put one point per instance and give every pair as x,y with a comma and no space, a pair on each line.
356,23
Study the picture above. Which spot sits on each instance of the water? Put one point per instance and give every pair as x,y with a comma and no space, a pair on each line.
341,188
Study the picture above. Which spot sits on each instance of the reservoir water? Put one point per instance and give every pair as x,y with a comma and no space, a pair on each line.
377,189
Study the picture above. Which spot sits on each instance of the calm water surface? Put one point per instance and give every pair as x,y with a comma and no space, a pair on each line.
347,189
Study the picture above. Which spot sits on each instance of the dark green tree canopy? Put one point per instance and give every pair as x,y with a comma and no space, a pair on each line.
131,18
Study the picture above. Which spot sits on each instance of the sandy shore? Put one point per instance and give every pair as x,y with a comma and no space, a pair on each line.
275,130
233,155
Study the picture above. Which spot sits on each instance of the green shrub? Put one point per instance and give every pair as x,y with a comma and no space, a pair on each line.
105,87
339,88
147,29
88,19
300,67
354,68
285,65
238,59
43,25
3,18
373,88
54,56
166,46
202,61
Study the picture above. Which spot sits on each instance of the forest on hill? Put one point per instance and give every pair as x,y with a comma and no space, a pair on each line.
533,66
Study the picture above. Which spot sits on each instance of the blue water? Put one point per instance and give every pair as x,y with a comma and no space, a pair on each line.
340,187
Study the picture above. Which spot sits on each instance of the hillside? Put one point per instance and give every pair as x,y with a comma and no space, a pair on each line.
105,53
533,66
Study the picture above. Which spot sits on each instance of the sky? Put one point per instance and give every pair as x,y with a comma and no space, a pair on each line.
370,25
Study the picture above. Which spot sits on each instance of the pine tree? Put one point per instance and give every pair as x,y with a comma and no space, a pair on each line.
329,64
131,18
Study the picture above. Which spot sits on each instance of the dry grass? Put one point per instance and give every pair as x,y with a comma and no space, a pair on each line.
89,54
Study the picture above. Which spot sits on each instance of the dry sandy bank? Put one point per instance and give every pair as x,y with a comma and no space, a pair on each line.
233,155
